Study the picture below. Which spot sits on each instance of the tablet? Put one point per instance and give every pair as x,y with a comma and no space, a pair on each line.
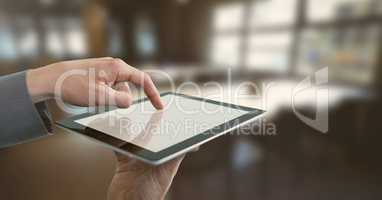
156,136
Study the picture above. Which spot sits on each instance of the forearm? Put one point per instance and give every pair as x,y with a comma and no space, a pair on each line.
135,180
131,185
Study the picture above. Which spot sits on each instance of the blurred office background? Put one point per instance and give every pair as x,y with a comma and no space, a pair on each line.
262,41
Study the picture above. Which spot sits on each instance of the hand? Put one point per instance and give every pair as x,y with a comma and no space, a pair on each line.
72,81
134,179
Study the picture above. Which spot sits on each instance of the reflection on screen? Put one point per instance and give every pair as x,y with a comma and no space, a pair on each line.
156,130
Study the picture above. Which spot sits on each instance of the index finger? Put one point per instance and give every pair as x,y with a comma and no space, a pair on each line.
129,73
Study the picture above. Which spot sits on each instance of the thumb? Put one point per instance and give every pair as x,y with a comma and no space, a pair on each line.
121,99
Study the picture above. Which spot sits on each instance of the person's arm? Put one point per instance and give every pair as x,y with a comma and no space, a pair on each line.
22,111
20,118
76,81
133,179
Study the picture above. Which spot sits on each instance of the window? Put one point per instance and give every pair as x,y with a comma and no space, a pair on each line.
350,54
269,52
27,38
326,10
54,43
237,41
145,37
350,50
65,37
270,36
226,39
115,39
7,41
228,17
226,50
273,12
76,38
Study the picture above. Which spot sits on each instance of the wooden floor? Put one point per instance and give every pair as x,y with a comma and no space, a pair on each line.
296,163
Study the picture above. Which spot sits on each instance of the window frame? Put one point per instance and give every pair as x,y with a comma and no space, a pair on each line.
297,28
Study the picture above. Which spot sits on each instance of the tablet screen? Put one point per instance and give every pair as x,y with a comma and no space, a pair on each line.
141,124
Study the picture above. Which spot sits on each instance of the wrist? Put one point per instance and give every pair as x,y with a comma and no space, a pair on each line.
38,85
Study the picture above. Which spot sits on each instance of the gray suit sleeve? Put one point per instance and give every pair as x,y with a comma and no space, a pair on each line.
20,119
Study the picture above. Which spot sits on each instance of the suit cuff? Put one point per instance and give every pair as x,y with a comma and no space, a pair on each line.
21,120
45,115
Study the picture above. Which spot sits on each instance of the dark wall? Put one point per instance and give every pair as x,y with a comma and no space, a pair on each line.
197,17
182,30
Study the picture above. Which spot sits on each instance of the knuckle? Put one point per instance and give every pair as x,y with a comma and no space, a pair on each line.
116,63
62,63
146,76
119,61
